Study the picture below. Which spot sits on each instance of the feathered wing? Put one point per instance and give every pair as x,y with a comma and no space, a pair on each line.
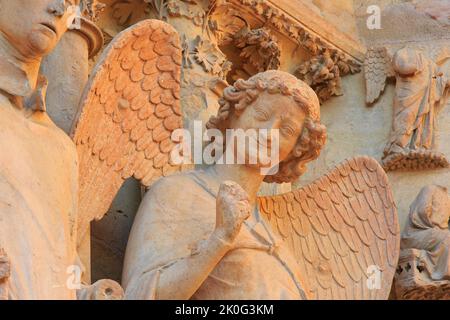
129,109
377,68
339,227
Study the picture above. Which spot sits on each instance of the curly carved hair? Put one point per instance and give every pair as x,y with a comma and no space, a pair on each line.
237,97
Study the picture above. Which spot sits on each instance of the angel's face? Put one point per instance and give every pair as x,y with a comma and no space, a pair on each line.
282,119
35,27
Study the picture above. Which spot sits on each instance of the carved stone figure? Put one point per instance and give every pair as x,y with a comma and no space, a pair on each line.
125,120
206,235
424,268
421,91
38,170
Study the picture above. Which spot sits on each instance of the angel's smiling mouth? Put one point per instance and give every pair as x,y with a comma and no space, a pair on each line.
50,27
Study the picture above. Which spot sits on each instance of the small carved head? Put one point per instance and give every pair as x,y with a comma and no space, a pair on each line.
431,208
35,27
276,100
408,62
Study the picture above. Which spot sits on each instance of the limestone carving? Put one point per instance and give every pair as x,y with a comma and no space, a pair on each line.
259,51
43,208
424,267
421,91
91,8
323,73
101,290
133,95
38,171
206,235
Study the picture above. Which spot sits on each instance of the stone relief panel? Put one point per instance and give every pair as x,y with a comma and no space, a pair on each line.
223,41
422,89
319,242
219,43
424,266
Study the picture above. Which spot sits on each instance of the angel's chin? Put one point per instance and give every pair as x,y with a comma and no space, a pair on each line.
41,43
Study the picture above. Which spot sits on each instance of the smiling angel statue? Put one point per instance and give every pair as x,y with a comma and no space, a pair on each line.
52,187
205,234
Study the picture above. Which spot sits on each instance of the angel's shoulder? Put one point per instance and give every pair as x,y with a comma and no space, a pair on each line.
178,185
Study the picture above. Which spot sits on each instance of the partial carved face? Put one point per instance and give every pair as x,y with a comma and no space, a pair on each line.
273,112
34,27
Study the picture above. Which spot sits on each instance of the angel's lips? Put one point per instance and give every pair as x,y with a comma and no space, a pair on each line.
48,28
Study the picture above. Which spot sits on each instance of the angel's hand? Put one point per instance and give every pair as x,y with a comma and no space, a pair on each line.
232,209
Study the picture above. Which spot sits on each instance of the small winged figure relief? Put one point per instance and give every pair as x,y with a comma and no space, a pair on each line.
421,92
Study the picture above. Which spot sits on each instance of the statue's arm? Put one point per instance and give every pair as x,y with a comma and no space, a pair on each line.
181,278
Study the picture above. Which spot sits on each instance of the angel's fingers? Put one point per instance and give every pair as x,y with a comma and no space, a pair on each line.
244,210
233,189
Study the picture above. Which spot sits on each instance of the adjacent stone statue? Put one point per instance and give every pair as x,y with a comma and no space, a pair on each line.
206,235
38,162
424,270
129,109
421,92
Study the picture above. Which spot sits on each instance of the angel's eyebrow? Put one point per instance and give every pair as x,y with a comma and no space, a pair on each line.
262,106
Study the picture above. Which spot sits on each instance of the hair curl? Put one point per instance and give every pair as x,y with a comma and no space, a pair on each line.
237,97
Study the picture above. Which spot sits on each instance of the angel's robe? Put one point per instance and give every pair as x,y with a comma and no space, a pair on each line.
176,215
417,99
38,197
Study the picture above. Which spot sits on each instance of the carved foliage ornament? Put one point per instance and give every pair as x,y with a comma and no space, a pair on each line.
259,51
323,73
327,65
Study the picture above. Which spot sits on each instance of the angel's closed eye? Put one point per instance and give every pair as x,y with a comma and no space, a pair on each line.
287,130
261,114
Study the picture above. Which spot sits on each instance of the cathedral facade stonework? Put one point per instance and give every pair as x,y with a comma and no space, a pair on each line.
321,129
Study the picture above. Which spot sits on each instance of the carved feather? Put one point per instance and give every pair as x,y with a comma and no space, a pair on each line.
129,109
342,224
377,68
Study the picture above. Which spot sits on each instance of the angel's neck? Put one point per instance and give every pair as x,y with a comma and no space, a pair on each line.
18,75
250,179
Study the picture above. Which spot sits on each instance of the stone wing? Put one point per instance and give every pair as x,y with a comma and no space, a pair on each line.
128,112
377,68
339,228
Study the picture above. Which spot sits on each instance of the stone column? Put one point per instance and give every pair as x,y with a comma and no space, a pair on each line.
67,69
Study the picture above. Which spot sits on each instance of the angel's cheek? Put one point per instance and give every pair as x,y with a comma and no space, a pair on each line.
286,146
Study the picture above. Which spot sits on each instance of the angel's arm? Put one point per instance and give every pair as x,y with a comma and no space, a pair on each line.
180,278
